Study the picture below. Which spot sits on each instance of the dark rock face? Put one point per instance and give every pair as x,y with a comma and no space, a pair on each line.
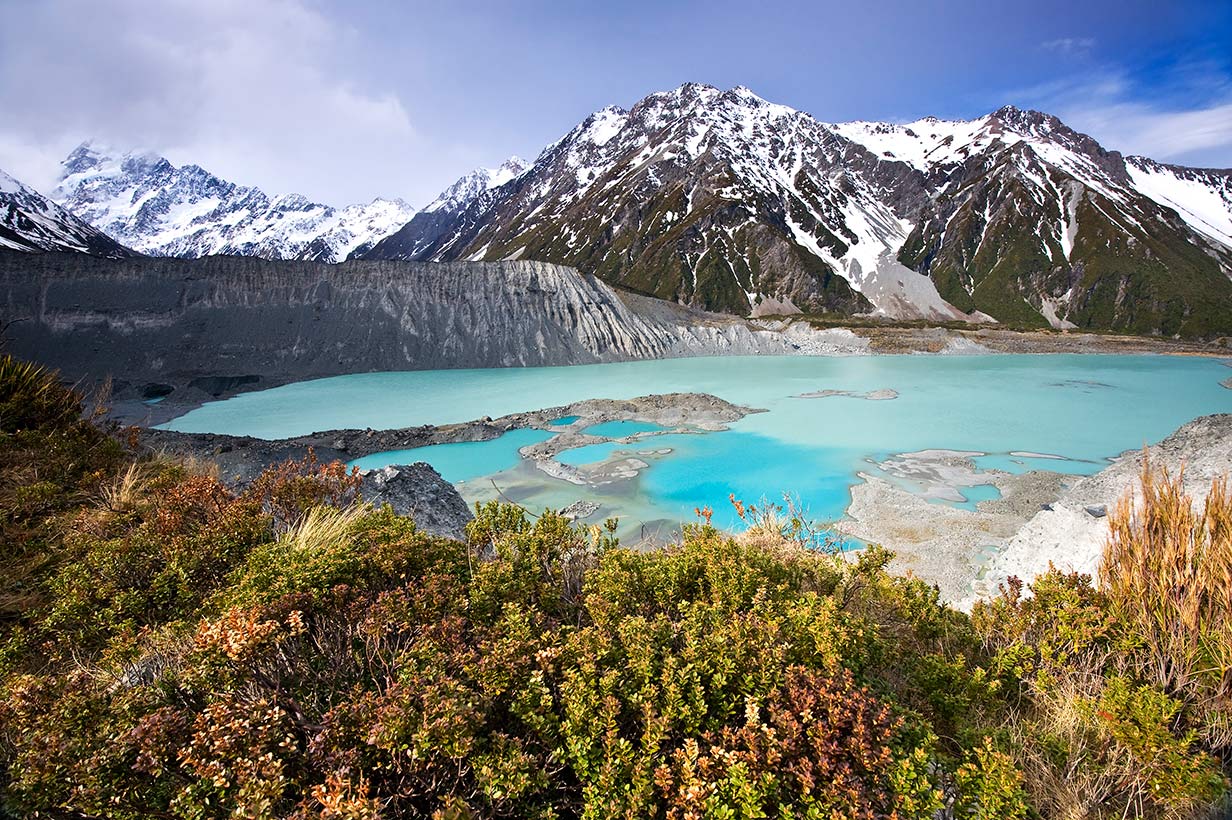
218,385
418,491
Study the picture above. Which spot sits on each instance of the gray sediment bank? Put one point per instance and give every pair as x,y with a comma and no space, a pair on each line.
173,333
1070,534
242,458
1041,519
939,543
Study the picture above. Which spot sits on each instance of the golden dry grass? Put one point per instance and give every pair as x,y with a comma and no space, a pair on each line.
126,490
322,527
1167,569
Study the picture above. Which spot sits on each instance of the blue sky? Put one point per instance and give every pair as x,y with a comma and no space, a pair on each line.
346,101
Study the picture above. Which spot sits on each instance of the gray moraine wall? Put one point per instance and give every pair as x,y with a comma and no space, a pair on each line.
221,324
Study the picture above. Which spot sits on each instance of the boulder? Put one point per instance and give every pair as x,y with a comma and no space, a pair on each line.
418,491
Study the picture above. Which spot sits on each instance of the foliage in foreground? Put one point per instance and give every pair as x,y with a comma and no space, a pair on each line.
181,650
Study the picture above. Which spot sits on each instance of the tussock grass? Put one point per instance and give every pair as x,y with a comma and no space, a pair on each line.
1167,570
127,490
31,396
321,529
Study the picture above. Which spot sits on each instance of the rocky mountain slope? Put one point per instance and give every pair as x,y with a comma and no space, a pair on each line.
722,200
223,322
164,210
438,217
31,222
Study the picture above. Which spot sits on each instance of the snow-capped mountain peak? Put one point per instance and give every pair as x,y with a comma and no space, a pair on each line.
31,222
469,187
154,206
724,200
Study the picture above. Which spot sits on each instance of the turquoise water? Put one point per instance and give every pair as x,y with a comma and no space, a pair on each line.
594,453
1084,409
463,461
975,494
564,421
620,429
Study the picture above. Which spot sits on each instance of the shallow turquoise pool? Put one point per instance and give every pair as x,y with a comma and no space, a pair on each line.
462,461
620,429
1062,412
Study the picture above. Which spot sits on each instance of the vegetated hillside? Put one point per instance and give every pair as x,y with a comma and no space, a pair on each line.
170,647
723,200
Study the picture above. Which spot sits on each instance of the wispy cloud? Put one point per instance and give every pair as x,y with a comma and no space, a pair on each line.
255,90
1168,135
1069,45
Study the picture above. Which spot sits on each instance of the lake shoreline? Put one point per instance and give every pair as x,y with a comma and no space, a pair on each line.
1041,518
242,458
187,391
964,520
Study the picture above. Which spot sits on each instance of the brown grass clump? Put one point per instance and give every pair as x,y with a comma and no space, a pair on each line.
1167,570
126,490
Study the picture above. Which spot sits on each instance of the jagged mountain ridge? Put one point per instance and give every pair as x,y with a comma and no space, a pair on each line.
472,185
725,201
160,209
1036,221
439,215
31,222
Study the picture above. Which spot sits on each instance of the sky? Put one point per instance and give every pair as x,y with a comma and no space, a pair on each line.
346,101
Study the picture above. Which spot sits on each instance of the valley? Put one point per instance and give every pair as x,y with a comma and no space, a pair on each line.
459,411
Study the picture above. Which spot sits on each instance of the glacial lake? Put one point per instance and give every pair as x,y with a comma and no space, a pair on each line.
1067,413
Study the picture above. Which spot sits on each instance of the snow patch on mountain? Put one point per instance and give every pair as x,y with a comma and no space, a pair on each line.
1202,198
923,144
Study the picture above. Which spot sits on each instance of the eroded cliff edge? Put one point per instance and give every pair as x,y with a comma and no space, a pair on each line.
217,324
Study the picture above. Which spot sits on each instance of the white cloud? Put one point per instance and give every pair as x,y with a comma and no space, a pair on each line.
1137,128
254,90
1109,106
1069,45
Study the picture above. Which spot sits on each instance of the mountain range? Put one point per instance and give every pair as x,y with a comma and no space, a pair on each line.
31,222
161,209
724,201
